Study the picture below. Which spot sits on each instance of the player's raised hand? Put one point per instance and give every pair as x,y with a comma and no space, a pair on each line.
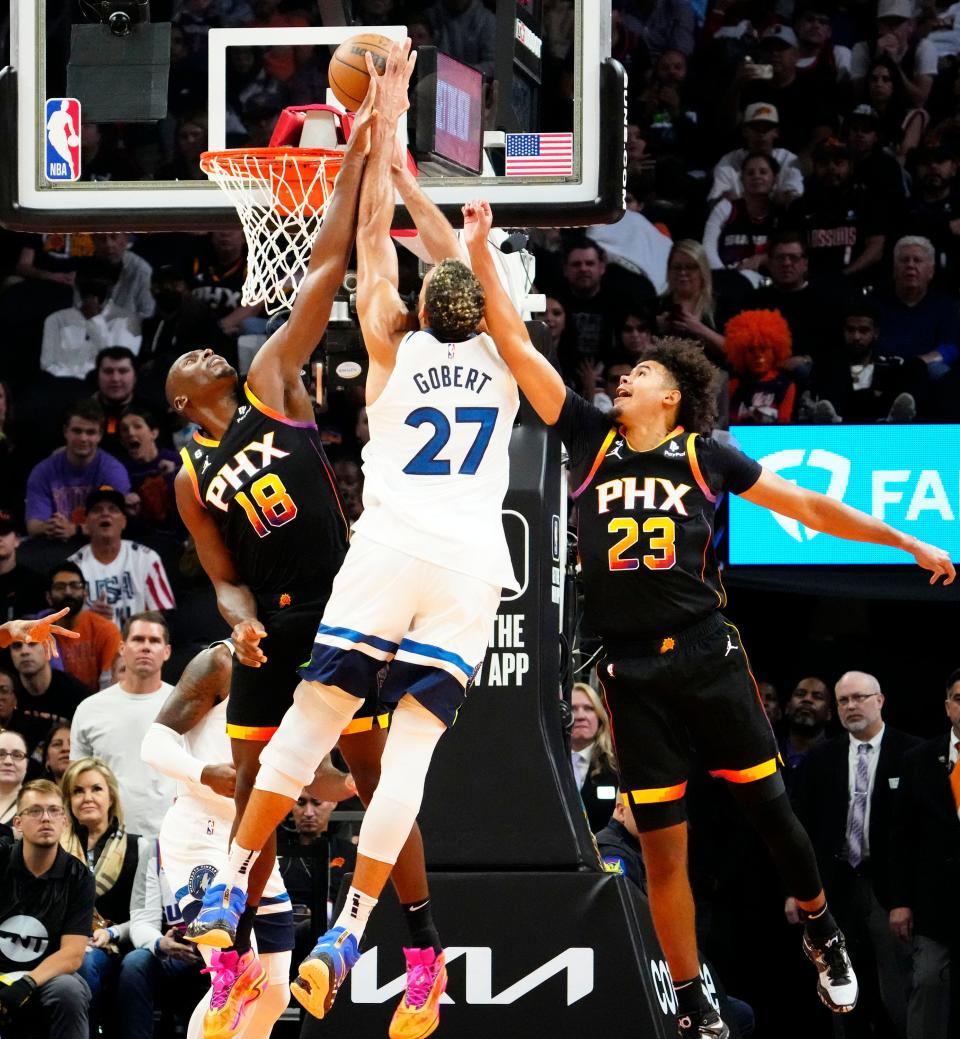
393,89
43,630
364,120
477,221
246,638
934,559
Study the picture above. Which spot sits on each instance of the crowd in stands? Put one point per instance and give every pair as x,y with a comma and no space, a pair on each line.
793,207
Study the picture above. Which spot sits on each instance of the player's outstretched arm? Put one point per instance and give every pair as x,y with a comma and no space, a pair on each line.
534,374
438,236
383,316
234,599
289,348
819,512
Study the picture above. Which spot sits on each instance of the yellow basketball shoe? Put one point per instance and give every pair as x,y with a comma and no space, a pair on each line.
418,1014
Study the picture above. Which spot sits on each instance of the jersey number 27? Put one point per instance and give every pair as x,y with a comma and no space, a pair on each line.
426,461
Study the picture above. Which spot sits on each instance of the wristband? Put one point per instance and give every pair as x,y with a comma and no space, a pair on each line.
156,946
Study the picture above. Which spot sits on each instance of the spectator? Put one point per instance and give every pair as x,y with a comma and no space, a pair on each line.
737,232
875,170
807,713
44,696
181,323
818,58
98,838
845,795
916,320
124,577
591,754
90,657
152,470
866,386
21,589
760,129
219,272
761,391
689,309
14,755
54,752
926,846
555,318
57,892
111,724
933,210
72,337
902,123
131,274
467,31
896,37
637,329
190,142
662,25
14,458
771,702
59,485
844,228
10,716
116,374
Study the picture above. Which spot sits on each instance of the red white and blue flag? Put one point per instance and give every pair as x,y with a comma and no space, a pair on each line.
62,134
539,154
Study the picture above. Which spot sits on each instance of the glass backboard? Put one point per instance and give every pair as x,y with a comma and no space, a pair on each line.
111,102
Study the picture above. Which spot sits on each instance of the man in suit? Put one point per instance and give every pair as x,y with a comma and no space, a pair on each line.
926,865
845,793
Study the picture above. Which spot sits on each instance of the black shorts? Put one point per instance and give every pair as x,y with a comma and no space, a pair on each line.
260,696
691,692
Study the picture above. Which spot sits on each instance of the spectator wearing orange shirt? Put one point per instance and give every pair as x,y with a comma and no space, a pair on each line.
90,657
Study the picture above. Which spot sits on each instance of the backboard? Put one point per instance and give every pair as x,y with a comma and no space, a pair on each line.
110,103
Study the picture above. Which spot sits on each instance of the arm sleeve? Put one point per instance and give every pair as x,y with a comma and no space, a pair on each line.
78,918
39,504
163,749
725,467
711,233
146,902
582,428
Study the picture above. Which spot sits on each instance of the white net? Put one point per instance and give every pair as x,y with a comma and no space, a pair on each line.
280,195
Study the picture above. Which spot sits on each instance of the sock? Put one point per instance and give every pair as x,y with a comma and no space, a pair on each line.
423,931
819,925
691,998
356,912
245,925
239,864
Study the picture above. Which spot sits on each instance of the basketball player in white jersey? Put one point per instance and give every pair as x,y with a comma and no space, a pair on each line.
422,578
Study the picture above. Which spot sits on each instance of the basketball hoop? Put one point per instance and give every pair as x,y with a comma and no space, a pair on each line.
280,195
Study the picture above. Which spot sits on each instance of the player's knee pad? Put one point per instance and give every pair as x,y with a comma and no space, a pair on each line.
393,809
309,729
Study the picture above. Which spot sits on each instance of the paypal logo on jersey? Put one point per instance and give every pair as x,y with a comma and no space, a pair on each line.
907,476
62,134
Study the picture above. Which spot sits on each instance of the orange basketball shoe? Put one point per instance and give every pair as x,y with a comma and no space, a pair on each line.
238,982
418,1014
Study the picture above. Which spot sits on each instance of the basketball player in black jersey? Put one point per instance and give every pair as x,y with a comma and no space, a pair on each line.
674,671
259,499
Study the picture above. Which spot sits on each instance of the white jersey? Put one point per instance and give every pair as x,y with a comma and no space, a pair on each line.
437,465
135,581
208,742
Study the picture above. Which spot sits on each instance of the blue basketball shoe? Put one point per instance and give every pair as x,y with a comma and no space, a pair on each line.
323,971
216,923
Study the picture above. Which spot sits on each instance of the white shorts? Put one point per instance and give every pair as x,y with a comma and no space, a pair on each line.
194,841
429,623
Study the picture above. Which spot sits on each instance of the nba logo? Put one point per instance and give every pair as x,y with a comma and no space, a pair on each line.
62,139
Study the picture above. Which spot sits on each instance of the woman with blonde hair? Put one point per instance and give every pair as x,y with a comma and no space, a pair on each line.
688,307
591,754
96,835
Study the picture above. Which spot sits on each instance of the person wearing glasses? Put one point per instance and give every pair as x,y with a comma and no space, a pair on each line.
13,769
46,912
845,794
90,657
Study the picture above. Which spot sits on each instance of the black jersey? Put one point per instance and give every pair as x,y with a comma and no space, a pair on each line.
645,523
269,488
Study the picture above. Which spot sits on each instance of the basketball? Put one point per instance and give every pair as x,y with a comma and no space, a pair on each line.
347,73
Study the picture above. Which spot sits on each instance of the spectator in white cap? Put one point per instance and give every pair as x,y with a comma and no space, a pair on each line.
896,36
760,130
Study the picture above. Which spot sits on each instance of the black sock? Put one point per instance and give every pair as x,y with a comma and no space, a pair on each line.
691,997
244,926
423,931
820,925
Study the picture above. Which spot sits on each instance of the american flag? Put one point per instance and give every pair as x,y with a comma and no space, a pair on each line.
539,154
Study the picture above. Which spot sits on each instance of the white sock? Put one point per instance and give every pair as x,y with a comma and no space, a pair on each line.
239,864
356,912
